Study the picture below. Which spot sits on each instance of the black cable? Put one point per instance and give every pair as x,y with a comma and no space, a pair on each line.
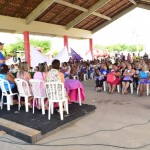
68,145
65,145
110,130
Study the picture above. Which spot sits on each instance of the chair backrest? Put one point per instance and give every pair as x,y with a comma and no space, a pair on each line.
23,87
38,88
54,91
4,83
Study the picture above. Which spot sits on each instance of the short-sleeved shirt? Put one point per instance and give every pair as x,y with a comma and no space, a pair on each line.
1,58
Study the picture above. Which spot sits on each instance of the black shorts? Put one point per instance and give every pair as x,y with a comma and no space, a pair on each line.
127,81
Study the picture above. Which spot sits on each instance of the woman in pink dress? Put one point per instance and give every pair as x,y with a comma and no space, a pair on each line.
41,75
113,79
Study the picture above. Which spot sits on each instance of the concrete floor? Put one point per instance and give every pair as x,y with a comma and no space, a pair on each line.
112,113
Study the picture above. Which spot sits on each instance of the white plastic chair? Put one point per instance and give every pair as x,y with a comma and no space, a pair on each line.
92,75
23,92
56,93
76,77
85,76
131,88
38,90
4,93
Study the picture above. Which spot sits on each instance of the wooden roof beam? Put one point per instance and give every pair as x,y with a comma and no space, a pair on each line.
84,15
133,2
38,10
62,2
148,1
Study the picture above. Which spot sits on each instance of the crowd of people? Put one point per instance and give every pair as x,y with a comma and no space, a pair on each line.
123,72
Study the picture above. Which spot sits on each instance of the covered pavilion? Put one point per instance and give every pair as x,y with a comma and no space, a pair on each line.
65,18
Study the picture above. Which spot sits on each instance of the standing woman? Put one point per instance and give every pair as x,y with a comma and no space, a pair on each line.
2,58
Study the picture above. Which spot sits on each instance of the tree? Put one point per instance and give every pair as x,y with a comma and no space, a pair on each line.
124,47
55,53
19,45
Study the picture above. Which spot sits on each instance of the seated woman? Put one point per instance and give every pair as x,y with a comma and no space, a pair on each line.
41,75
127,79
143,79
54,75
137,69
90,70
97,77
83,70
24,74
113,79
66,69
6,75
102,77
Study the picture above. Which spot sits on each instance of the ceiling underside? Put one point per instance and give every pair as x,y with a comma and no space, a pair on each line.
81,14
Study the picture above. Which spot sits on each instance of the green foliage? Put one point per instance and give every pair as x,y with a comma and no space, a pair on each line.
19,45
46,45
121,47
96,46
7,50
55,53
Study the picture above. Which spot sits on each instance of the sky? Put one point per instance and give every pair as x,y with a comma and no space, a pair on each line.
132,28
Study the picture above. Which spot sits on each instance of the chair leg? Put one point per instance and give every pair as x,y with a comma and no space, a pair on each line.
118,88
26,104
8,102
19,103
79,96
61,110
33,105
49,111
138,90
2,102
66,106
147,89
131,88
104,86
52,108
42,104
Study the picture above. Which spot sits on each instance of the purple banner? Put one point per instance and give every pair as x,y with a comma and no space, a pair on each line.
75,55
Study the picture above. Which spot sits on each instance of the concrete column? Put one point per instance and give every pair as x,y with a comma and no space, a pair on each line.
66,42
27,47
91,47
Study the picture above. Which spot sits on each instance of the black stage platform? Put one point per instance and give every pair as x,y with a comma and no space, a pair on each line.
40,122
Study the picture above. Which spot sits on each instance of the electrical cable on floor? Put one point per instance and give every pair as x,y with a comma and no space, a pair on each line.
67,145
